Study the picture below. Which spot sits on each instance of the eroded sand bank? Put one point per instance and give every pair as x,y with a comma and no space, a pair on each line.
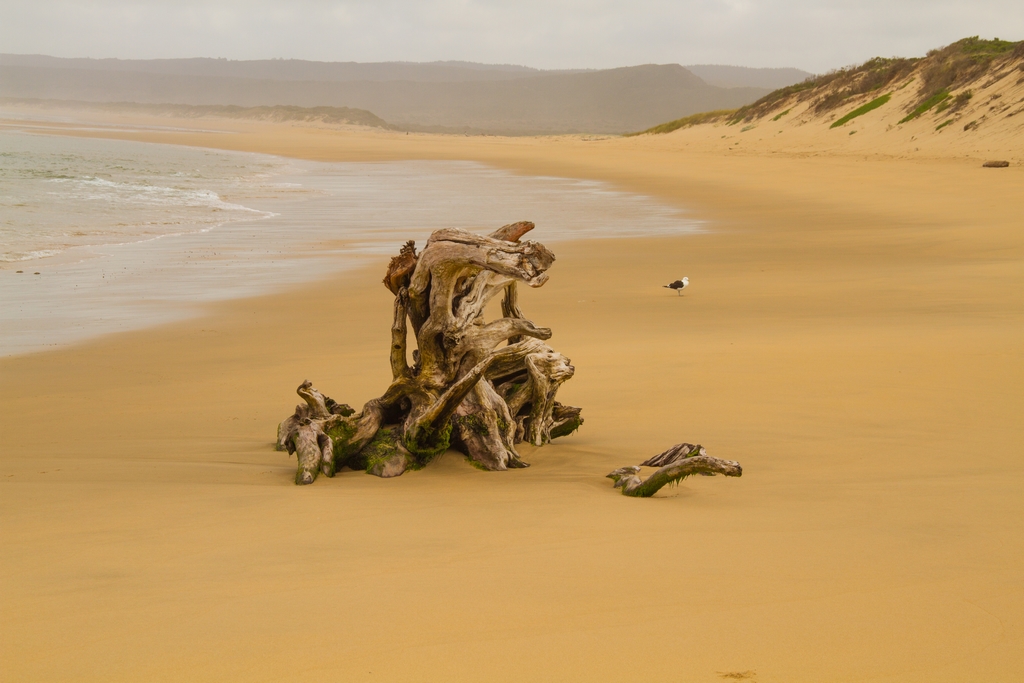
853,335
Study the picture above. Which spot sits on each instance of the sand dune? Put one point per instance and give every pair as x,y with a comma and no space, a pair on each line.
966,100
852,334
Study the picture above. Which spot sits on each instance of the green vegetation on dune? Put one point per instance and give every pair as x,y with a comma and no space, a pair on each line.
926,105
768,102
831,89
871,76
943,71
986,48
962,61
860,111
956,65
685,122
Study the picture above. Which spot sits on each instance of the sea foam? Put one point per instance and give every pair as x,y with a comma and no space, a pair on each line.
126,235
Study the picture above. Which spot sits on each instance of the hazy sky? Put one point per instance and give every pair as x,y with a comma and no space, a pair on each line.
812,35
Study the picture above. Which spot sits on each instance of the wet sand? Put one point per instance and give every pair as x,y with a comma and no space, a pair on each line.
852,334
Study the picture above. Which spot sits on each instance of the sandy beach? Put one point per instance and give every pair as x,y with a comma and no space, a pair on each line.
853,335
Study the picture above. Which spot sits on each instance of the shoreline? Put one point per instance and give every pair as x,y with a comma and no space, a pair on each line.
732,188
314,219
852,335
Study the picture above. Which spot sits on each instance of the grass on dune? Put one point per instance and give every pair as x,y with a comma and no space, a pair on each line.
986,48
860,111
943,71
926,105
685,122
831,90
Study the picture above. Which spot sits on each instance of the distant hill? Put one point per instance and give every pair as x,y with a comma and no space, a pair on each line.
440,96
289,69
277,113
746,77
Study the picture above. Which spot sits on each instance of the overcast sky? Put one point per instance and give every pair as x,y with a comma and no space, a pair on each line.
812,35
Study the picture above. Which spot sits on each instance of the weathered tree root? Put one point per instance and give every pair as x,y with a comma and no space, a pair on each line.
464,388
675,464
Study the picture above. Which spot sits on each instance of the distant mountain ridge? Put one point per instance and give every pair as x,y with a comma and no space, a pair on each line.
747,77
442,96
289,69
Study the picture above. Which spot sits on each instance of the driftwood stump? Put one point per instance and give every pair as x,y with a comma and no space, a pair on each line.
479,387
674,465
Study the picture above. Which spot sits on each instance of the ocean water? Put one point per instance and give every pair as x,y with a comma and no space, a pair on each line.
113,235
58,193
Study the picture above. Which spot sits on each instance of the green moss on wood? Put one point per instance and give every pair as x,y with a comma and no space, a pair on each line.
474,423
430,443
567,427
341,433
476,464
383,447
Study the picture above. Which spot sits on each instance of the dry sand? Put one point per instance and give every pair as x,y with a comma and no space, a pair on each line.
853,335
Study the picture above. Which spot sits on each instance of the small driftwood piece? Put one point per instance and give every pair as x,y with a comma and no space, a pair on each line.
474,385
674,465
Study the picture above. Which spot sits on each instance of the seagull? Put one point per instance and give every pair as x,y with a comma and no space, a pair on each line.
679,285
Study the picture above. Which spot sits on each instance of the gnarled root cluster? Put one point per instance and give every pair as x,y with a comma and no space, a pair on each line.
674,465
462,389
